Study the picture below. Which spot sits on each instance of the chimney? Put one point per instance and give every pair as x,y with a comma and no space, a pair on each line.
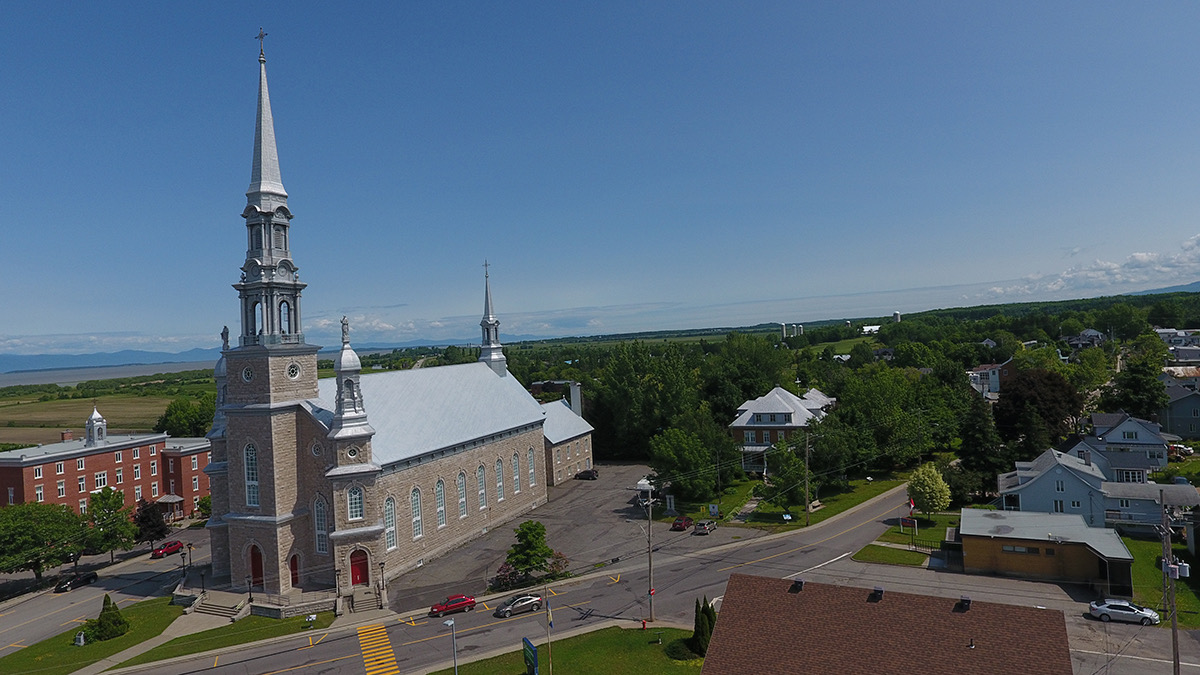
1087,457
68,435
576,399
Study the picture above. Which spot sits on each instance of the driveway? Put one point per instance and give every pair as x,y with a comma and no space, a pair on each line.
593,523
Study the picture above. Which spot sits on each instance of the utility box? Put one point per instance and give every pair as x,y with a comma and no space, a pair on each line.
80,639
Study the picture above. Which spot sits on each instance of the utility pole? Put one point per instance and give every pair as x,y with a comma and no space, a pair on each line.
1168,582
807,497
549,618
650,552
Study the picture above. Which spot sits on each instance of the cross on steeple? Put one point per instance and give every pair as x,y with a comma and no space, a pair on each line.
485,268
260,37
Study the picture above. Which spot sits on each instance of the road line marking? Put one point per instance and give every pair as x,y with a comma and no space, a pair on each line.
831,560
79,620
1139,658
551,591
811,544
308,665
377,653
215,658
614,579
485,606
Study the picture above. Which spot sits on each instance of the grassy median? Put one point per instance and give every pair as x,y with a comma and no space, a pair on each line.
249,629
611,651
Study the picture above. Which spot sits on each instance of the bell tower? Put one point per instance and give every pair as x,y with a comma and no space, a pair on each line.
267,378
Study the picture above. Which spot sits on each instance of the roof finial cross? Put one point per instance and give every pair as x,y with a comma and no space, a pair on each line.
485,268
260,37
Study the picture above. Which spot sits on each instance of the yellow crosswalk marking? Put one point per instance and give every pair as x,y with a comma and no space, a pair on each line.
377,653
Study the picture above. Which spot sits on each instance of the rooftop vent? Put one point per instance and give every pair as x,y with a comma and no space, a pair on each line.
797,586
964,604
876,595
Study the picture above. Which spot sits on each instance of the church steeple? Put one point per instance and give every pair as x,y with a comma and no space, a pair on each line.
270,284
350,416
491,351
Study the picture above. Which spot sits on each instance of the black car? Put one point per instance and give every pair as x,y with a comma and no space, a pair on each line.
75,581
587,474
520,603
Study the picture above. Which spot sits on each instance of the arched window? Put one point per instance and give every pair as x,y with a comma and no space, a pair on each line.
389,523
439,496
479,478
462,494
416,512
321,525
354,503
532,474
285,318
516,467
251,460
499,480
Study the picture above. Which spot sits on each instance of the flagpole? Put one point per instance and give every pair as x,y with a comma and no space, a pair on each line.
549,620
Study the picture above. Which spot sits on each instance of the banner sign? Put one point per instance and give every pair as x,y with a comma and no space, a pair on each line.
531,664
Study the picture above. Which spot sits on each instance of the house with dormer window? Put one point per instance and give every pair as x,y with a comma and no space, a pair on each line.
773,417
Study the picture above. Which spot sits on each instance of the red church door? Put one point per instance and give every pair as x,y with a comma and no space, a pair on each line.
359,574
256,566
294,566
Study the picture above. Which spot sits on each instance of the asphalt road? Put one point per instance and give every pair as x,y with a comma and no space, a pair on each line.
32,618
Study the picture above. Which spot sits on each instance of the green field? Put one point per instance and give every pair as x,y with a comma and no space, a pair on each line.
873,553
769,517
59,656
611,651
1147,581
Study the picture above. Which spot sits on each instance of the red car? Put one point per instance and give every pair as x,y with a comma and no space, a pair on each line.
454,603
681,524
166,549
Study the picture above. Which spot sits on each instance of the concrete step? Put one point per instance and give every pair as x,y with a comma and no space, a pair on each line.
217,610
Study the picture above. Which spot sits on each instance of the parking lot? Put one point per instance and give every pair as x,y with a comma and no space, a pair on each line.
591,522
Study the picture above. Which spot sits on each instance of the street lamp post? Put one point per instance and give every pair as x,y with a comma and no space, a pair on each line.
201,581
189,554
183,561
453,643
382,588
249,589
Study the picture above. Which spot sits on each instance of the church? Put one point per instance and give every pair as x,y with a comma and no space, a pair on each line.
350,481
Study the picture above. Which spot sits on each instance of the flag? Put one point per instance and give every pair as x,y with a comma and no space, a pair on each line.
911,505
549,614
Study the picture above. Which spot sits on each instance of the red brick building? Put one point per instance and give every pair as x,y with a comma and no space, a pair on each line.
153,467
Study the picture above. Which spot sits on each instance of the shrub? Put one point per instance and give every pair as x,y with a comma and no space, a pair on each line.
678,650
110,624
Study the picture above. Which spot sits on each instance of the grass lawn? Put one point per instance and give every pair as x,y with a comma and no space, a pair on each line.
249,629
59,655
124,411
769,517
928,528
733,498
612,651
872,553
1147,581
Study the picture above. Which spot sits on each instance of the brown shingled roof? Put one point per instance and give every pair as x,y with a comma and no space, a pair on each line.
766,630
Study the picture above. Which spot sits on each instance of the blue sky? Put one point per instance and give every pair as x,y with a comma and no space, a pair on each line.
623,166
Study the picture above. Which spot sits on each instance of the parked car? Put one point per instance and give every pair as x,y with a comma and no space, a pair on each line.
681,523
75,581
454,603
587,474
705,526
1122,610
167,549
519,603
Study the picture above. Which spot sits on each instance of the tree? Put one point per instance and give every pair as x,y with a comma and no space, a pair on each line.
980,448
186,416
204,506
1137,389
150,523
530,554
110,624
928,490
1052,399
678,457
111,525
706,618
784,486
34,536
744,367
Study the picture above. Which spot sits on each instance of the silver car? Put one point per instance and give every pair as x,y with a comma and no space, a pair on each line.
520,603
1122,610
705,526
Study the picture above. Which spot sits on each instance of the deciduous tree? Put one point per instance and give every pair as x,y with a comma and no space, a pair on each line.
112,527
531,553
35,536
928,490
150,523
